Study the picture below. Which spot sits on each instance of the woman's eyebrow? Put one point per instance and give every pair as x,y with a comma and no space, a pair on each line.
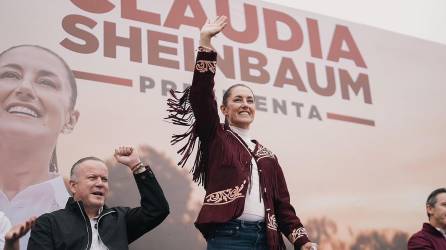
12,65
44,72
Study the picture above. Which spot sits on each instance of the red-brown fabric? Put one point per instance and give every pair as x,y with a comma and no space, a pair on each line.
427,238
223,163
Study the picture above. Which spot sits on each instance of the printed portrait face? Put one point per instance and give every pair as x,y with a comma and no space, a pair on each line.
35,94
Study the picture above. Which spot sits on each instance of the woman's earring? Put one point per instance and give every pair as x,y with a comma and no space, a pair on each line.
67,129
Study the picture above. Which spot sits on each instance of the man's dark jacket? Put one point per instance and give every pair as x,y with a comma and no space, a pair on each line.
70,228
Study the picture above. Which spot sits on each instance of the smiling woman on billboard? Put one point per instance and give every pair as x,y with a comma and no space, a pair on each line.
37,99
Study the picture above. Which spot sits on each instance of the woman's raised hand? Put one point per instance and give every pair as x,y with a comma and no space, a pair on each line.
211,29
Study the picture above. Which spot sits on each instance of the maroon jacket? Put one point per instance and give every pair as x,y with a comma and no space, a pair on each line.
223,162
427,238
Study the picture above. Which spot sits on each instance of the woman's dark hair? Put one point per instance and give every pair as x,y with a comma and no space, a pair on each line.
227,93
71,79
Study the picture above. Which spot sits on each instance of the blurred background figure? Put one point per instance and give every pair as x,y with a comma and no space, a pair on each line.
433,234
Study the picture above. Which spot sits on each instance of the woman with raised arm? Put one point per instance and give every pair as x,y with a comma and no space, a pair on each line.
247,205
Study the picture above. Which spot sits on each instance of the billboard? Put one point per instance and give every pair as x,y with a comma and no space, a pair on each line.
355,114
